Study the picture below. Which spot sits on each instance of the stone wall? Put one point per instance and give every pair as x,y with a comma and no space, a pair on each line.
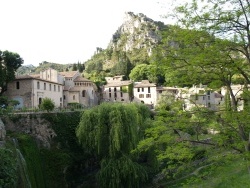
32,124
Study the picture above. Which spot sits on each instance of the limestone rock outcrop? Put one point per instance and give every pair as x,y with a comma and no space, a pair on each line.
137,31
35,126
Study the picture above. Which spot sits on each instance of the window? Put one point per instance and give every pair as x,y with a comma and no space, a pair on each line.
209,105
121,94
138,89
142,89
17,85
58,88
60,99
38,85
115,89
115,95
44,86
64,97
141,96
54,87
148,95
109,89
83,93
148,89
50,87
109,95
74,97
203,98
208,97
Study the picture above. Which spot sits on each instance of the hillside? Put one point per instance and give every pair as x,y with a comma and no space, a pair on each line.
31,69
132,44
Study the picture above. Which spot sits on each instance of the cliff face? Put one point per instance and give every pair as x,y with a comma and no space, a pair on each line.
131,44
136,32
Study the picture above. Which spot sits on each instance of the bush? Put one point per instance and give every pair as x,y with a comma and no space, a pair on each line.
47,104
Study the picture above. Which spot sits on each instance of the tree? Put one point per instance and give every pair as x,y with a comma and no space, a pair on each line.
74,67
144,72
111,132
172,136
9,63
47,104
228,23
227,19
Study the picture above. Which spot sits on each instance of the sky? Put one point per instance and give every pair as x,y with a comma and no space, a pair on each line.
67,31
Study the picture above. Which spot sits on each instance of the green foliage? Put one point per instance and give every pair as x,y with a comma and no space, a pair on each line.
8,168
3,101
9,63
26,69
45,65
33,160
65,162
47,104
111,131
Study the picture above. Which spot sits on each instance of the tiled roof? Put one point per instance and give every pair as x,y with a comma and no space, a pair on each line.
36,77
81,79
118,83
144,83
75,89
68,74
217,95
21,77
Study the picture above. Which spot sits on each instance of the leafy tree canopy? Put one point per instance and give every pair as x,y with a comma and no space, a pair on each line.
112,131
9,63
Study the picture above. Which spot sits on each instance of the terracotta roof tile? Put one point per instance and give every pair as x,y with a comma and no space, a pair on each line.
68,74
81,79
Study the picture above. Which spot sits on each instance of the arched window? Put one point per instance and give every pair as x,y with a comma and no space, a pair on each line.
83,93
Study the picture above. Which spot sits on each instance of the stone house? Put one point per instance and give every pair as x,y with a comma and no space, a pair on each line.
29,90
202,96
62,87
79,90
117,89
145,92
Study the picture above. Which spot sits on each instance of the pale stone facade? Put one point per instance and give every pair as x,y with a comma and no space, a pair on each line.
81,90
30,90
202,96
61,87
117,89
145,92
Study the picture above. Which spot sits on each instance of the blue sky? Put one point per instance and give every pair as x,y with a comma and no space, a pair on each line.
67,31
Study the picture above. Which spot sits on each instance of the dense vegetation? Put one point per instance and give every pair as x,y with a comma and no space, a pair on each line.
121,145
9,63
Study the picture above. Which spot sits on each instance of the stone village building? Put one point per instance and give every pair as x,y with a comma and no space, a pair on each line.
117,89
70,87
62,87
145,92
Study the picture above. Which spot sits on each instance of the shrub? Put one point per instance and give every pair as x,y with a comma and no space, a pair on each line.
47,104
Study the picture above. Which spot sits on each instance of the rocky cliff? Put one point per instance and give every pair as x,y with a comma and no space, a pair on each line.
131,44
137,31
